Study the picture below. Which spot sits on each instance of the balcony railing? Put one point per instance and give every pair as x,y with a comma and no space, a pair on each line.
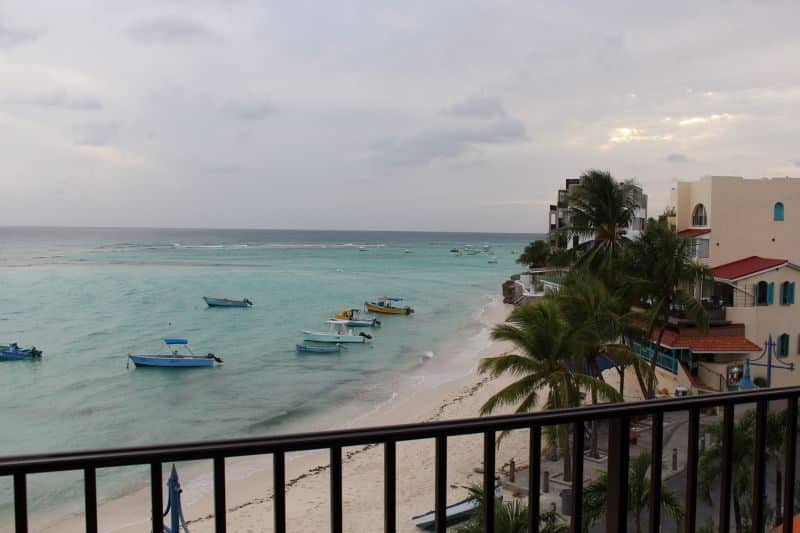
619,417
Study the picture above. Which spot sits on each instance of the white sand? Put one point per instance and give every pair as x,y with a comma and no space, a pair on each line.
249,485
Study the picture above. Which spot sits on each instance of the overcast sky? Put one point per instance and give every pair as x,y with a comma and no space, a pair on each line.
430,115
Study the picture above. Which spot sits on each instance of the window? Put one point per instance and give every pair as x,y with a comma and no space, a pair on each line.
777,212
783,345
787,293
764,293
699,217
699,248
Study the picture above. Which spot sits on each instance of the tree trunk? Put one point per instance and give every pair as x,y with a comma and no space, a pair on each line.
652,387
638,522
737,514
565,449
593,441
621,370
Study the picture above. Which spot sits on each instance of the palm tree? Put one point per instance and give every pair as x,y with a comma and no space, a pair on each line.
595,495
660,272
742,465
600,209
597,320
510,516
547,363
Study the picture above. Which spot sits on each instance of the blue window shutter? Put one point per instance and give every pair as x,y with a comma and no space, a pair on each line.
770,292
791,292
777,213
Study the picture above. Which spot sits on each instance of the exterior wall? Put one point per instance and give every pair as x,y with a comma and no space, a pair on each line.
740,215
775,319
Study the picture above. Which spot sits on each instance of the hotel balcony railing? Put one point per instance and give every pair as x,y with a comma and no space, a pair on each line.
619,417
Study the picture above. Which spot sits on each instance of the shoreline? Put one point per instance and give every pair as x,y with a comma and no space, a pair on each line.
451,394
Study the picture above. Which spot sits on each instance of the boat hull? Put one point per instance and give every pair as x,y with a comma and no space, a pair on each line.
315,336
163,361
454,513
303,348
375,308
218,302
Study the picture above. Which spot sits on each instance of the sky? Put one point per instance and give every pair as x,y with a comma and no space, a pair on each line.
449,115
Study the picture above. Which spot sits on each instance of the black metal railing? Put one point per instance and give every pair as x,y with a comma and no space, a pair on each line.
619,416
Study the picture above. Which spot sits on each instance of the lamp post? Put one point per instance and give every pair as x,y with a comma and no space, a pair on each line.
769,348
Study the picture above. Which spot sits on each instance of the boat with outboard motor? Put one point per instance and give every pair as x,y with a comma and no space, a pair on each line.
338,332
386,305
12,352
174,359
356,319
227,302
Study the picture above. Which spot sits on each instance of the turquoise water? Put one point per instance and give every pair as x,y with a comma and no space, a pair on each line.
89,297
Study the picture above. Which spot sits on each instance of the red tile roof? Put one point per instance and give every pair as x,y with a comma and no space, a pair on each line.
693,232
747,266
708,343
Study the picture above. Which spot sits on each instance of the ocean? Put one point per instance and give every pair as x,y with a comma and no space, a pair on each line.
88,297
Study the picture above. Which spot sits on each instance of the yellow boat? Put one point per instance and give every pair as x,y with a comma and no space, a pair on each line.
386,305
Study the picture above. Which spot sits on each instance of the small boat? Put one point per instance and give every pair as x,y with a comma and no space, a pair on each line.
492,260
455,250
362,248
310,348
473,252
386,305
175,359
13,352
339,332
227,302
455,513
355,319
406,251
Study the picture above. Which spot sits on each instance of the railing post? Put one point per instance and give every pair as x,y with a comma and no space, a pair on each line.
279,491
691,470
618,461
440,481
90,499
726,467
156,498
488,482
220,523
789,464
20,504
389,487
534,474
336,489
656,455
576,525
759,468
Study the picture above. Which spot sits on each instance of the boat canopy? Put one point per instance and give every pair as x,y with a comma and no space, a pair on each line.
173,340
392,299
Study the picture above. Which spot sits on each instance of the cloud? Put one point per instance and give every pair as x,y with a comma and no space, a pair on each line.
427,146
60,100
169,30
11,37
677,158
626,135
254,110
99,134
477,106
692,121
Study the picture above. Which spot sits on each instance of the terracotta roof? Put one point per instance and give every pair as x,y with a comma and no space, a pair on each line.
708,343
747,266
693,232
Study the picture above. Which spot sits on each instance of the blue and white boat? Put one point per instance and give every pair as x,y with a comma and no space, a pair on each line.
312,348
226,302
454,513
338,333
13,352
175,359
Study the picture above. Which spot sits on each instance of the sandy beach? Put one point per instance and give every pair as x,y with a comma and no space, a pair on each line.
249,481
